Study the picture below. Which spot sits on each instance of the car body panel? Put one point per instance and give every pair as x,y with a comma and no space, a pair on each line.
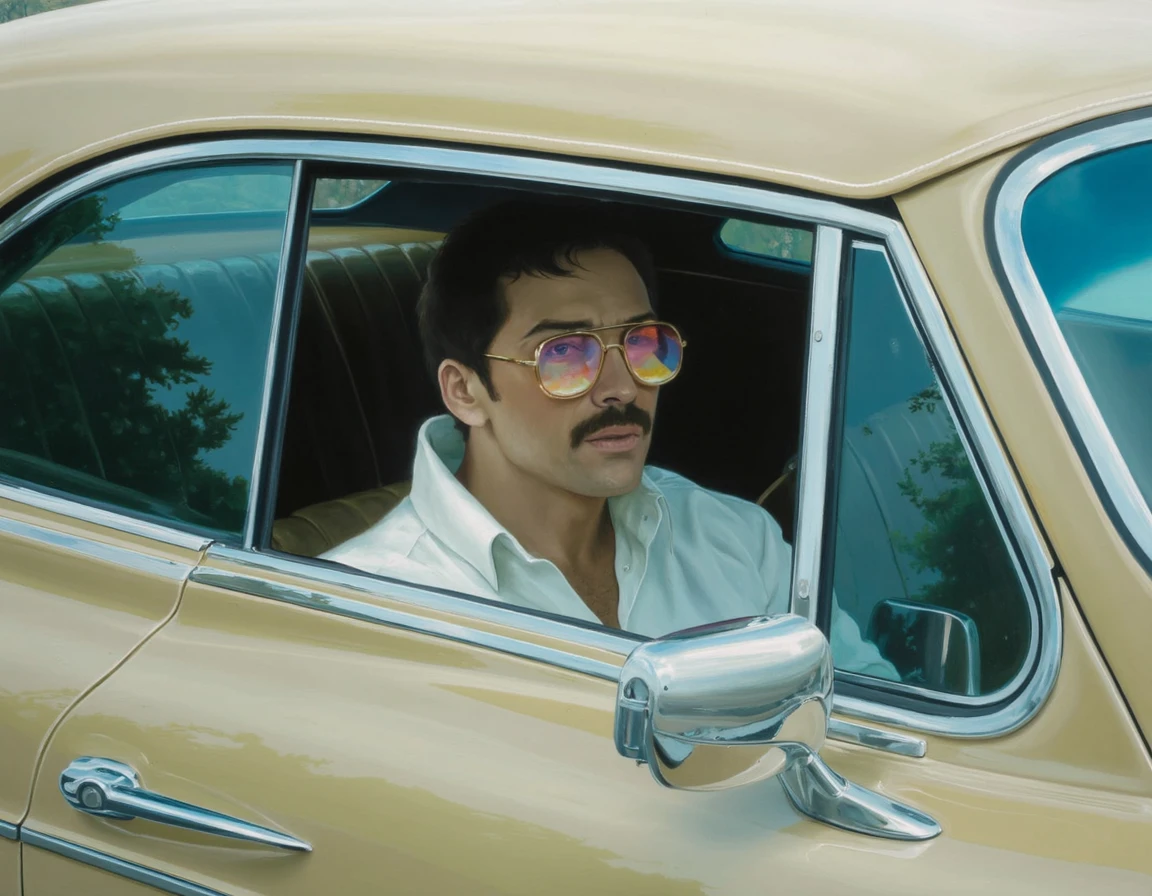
69,877
946,221
75,600
443,767
422,763
825,95
9,865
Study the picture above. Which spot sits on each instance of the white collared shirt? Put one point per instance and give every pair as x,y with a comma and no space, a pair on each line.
685,555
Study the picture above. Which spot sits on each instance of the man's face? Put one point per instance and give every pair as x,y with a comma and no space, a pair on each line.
596,444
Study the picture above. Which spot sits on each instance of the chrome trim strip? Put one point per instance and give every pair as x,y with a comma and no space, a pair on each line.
732,197
412,622
820,383
1104,455
255,493
673,187
101,517
322,574
876,738
106,553
164,882
9,831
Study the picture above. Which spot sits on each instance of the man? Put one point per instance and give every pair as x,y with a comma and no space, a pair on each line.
539,326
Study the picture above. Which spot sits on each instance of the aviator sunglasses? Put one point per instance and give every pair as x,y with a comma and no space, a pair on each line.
568,365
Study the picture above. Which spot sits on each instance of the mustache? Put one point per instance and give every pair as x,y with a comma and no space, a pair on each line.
613,415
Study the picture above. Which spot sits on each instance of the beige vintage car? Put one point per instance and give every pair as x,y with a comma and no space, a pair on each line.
911,245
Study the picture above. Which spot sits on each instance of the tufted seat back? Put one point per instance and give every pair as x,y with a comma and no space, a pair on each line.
359,389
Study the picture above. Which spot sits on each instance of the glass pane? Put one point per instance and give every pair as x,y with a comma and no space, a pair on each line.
767,240
920,561
344,192
1088,234
10,10
132,352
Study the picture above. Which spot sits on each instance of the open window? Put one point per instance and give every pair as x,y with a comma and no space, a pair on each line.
359,390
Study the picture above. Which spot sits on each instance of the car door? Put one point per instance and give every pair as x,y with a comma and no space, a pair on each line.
105,450
80,591
315,729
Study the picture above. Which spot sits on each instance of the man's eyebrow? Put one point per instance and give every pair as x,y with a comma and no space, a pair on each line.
567,326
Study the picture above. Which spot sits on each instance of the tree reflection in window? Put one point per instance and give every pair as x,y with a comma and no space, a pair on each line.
102,397
913,523
961,545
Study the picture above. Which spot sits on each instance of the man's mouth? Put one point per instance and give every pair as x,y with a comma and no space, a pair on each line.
614,439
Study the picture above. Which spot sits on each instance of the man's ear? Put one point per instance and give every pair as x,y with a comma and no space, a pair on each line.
462,392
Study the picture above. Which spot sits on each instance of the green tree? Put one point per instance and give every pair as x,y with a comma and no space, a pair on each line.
961,543
93,372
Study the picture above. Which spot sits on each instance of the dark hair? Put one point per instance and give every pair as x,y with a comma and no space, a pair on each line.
462,306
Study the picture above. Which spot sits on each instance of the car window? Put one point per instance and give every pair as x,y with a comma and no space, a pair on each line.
1088,234
920,562
367,439
132,350
337,193
208,191
767,240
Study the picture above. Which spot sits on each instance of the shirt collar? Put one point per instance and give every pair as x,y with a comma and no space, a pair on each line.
454,516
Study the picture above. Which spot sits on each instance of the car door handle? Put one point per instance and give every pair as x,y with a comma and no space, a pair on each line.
112,789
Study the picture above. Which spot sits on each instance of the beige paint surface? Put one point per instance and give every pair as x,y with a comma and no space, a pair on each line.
70,613
946,222
9,866
438,767
832,95
70,878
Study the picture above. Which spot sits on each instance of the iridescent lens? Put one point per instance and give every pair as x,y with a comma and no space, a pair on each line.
568,364
654,352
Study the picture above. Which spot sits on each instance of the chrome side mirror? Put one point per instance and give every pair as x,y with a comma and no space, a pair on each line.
741,701
714,707
929,645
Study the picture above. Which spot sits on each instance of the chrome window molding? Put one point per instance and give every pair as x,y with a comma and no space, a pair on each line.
1097,448
733,198
819,387
999,483
1034,606
617,645
130,870
9,831
96,550
87,513
279,302
876,738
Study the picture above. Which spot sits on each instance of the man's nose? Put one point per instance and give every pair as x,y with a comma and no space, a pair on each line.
615,385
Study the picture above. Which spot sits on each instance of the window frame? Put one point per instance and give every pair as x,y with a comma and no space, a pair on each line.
1004,238
102,513
832,220
853,684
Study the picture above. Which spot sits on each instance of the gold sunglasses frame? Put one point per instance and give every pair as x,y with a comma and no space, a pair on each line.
593,332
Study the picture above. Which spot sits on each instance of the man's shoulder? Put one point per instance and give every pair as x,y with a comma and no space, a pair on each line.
395,535
682,494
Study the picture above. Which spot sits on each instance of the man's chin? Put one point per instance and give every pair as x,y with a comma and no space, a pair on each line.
610,483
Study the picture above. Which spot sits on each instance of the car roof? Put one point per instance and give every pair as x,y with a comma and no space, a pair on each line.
849,98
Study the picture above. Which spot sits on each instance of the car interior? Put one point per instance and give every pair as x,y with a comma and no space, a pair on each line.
360,391
76,309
